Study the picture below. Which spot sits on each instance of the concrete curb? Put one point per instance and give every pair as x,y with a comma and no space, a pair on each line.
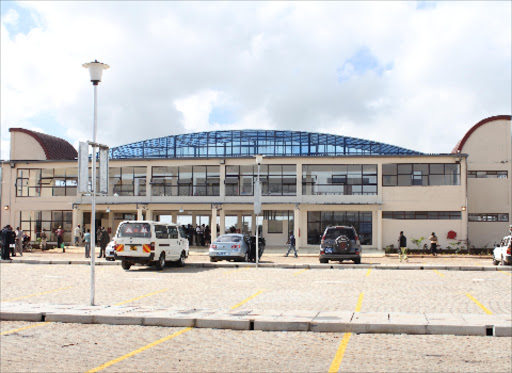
286,265
268,320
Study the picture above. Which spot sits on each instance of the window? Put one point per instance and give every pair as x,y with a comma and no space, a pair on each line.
488,217
422,215
161,231
487,174
279,221
420,174
339,179
128,181
319,220
276,180
36,182
33,222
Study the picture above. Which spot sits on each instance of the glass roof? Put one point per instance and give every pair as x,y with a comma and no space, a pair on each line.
244,143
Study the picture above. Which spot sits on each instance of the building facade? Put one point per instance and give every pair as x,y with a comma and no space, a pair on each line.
308,182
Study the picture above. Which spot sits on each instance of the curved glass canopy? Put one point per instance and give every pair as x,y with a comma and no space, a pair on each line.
245,143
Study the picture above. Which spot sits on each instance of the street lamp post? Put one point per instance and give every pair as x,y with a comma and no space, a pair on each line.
95,71
257,206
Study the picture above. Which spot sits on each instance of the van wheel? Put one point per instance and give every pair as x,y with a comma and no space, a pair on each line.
324,260
126,265
357,261
181,261
161,262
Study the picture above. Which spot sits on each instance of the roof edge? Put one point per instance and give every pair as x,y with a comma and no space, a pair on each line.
462,142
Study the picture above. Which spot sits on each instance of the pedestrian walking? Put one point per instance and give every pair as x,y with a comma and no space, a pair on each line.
402,240
60,239
19,241
291,242
87,241
78,235
433,244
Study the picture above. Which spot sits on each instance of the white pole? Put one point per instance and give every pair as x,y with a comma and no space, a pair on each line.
93,205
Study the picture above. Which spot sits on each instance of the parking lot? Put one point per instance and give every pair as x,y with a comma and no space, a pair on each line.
76,347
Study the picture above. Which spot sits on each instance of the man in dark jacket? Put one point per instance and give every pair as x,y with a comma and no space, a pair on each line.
7,238
104,240
402,254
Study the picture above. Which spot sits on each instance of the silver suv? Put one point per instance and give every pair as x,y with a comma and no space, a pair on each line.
340,243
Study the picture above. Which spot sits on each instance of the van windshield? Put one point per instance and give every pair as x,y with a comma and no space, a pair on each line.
333,233
135,230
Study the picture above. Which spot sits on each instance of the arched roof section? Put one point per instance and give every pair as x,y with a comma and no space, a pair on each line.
460,144
54,148
244,143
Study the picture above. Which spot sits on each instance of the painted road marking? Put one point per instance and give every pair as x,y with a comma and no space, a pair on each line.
236,270
298,273
439,273
336,362
359,302
33,295
507,273
142,296
247,300
24,328
368,273
130,354
479,304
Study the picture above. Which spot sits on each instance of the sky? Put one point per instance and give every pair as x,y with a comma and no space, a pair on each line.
417,75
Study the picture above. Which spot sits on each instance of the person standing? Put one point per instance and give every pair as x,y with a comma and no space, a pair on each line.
433,244
78,235
104,240
291,242
87,241
6,240
44,238
60,239
402,240
19,241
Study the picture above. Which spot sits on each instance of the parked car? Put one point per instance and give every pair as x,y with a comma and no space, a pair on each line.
502,253
231,246
340,243
150,243
109,251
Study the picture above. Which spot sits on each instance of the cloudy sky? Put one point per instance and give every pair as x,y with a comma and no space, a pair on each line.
412,74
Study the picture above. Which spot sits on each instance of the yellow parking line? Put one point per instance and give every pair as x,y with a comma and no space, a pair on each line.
368,273
479,304
142,296
24,328
507,273
130,354
359,302
247,300
439,273
298,273
335,365
33,295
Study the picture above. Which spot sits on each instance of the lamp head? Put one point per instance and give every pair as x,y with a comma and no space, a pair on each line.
259,158
96,70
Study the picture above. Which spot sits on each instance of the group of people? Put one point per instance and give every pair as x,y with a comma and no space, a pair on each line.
402,242
198,236
102,239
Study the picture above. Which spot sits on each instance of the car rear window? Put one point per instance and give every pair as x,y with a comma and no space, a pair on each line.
142,230
333,233
226,238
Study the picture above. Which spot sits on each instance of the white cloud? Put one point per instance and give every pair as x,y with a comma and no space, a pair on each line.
276,64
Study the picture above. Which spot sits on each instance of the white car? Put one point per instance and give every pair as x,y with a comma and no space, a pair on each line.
109,251
503,252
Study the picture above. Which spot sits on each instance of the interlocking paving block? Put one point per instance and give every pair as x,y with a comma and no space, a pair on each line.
225,320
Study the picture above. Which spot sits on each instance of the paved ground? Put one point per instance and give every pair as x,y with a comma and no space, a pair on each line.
56,347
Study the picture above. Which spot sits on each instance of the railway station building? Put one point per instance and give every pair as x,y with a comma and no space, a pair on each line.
308,182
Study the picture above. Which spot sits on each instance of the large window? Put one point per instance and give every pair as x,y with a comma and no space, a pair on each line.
33,222
339,179
319,220
185,181
279,221
128,181
487,174
420,174
422,215
276,180
488,217
46,182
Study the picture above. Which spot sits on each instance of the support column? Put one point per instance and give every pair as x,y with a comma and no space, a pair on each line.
296,227
379,229
174,215
149,214
110,223
240,221
213,224
222,222
139,214
253,224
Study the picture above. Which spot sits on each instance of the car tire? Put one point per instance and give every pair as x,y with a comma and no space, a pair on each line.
126,265
181,261
213,260
161,262
322,260
357,261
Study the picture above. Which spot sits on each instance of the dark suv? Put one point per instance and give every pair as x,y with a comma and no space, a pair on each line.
340,243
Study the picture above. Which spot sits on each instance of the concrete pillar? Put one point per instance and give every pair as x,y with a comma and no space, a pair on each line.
174,215
239,221
149,215
139,214
253,224
222,222
222,178
379,229
296,227
213,224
